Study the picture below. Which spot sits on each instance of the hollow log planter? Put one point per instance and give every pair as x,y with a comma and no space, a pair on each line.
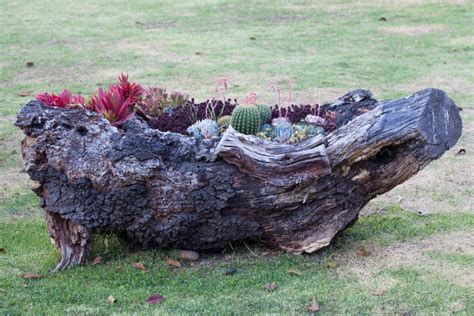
163,190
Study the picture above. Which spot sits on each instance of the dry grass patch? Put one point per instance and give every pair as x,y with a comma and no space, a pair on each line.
53,76
414,30
463,40
448,83
413,255
409,3
150,49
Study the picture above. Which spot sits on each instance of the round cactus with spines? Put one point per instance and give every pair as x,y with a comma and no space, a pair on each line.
265,113
224,121
246,119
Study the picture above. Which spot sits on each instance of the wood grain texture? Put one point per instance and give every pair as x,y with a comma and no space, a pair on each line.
162,190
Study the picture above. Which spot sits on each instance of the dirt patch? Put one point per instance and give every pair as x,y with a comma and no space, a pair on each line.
417,30
413,255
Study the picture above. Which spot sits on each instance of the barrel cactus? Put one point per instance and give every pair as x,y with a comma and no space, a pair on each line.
246,119
265,113
224,121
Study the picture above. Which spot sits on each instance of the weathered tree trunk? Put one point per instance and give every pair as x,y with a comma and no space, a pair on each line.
168,190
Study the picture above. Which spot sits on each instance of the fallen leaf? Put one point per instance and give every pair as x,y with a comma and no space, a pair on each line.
30,64
25,93
173,263
331,264
155,299
97,260
295,272
270,287
29,275
111,299
378,292
314,306
139,266
189,255
230,271
460,152
362,252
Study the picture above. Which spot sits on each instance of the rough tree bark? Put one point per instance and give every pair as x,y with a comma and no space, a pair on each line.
168,190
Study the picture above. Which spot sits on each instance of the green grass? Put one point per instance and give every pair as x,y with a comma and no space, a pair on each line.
205,288
325,47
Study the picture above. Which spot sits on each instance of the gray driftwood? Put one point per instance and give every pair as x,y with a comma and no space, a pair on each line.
167,190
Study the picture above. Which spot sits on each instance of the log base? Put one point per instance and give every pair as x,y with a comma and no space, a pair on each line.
73,240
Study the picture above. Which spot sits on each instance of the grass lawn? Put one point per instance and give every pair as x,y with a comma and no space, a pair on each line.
412,250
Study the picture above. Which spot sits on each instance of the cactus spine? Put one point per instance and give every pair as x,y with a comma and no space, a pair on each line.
246,119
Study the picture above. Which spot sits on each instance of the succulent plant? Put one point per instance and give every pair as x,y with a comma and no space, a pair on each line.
265,113
155,101
224,121
266,127
310,129
315,120
195,132
283,132
116,104
298,135
62,100
246,119
266,132
209,128
204,129
279,120
294,114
